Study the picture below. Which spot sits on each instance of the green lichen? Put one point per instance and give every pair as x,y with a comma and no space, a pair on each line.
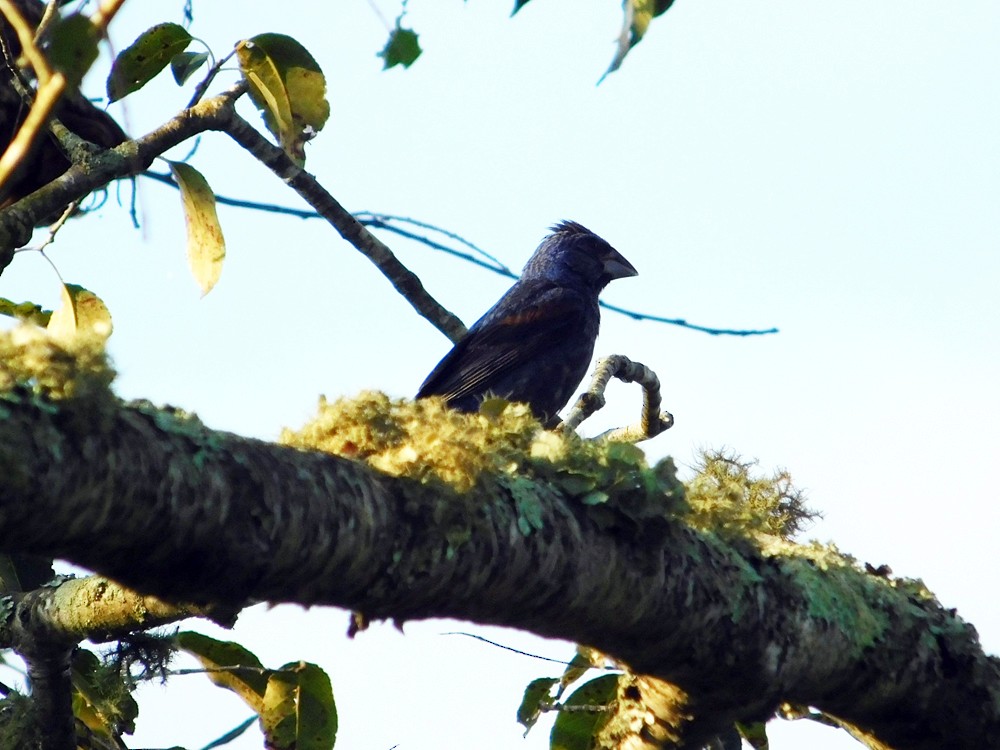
835,587
33,361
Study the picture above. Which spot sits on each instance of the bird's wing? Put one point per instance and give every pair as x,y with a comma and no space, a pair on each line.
524,325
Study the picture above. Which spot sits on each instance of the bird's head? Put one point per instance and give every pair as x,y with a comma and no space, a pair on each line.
572,253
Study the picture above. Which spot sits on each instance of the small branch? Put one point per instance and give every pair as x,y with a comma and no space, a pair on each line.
49,15
403,279
51,83
202,87
651,423
92,608
26,36
105,12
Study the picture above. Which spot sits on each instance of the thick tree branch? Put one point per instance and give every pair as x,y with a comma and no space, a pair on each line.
164,505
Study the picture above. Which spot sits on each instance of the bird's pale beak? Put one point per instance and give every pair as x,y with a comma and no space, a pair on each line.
616,267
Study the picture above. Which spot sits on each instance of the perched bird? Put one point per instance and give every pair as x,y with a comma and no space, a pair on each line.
535,344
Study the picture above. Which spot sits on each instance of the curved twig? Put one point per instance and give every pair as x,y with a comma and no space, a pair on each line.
651,423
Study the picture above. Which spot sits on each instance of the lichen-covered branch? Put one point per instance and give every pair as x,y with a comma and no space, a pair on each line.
44,626
91,608
157,501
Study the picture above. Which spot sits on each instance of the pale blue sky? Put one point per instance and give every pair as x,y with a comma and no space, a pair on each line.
829,169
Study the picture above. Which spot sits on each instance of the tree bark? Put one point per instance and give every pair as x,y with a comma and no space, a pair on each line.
160,503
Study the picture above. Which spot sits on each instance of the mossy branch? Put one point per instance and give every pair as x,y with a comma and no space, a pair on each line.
742,623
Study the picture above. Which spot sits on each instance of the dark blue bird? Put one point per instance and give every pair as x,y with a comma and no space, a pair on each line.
535,344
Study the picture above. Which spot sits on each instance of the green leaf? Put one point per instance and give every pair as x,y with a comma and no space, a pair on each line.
26,311
288,87
536,697
81,312
402,48
206,247
249,678
299,711
142,60
185,64
72,46
575,730
100,701
518,4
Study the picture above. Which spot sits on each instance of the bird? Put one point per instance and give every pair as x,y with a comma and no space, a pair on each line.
534,345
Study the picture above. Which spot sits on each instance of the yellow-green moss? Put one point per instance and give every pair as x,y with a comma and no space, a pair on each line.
58,369
428,442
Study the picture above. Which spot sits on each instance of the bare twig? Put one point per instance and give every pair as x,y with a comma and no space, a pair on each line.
105,12
403,279
684,324
652,421
202,87
49,15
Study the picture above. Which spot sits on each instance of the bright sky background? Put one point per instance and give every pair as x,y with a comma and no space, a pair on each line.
832,169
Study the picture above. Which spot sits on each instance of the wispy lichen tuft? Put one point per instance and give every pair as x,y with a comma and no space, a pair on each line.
726,497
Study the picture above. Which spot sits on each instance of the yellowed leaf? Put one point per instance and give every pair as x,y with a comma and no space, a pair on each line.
288,87
206,247
81,312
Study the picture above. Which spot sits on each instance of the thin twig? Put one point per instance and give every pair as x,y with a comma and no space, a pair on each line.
50,14
105,12
202,87
684,324
385,221
562,662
